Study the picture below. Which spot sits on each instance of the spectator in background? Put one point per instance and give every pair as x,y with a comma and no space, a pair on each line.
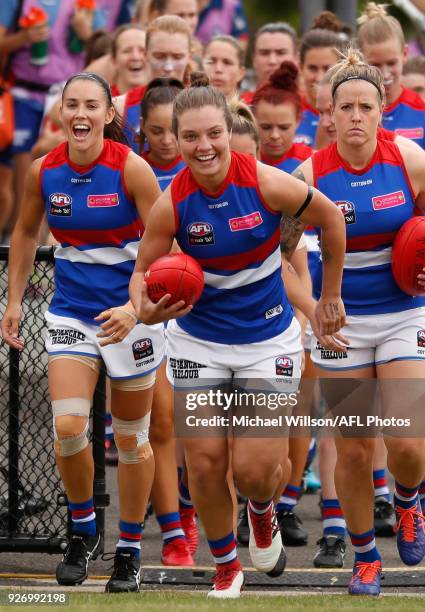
222,17
413,76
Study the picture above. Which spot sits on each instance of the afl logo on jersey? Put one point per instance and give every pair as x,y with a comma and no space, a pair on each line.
60,204
142,348
348,210
421,338
284,366
200,233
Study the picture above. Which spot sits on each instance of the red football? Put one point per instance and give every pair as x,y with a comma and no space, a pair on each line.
178,274
408,256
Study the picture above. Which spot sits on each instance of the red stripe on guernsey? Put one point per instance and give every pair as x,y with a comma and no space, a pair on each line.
328,160
129,536
332,512
307,107
86,512
134,96
356,541
385,134
239,261
114,155
220,552
298,151
372,241
169,166
410,98
242,173
113,236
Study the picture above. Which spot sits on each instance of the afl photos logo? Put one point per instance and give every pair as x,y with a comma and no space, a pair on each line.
200,233
284,366
348,210
60,204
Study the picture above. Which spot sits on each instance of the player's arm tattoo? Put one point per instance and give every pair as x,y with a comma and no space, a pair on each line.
326,255
290,234
290,228
299,174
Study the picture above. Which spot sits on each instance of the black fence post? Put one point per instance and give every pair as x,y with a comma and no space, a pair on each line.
13,463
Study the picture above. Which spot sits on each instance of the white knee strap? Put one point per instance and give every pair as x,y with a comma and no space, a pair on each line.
132,439
74,406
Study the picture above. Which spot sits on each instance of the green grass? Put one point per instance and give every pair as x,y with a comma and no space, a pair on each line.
171,601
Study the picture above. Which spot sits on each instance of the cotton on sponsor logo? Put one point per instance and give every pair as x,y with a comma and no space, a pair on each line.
246,222
412,133
388,200
105,200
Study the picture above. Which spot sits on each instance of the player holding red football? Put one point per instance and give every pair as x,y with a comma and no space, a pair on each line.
225,210
378,185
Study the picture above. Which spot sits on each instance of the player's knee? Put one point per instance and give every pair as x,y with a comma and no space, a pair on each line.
161,428
132,439
70,425
406,450
249,473
207,469
358,453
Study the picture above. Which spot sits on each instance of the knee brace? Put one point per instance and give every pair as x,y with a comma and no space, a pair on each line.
75,406
132,439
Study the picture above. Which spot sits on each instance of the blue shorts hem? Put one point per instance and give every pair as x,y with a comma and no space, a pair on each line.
413,358
355,367
141,375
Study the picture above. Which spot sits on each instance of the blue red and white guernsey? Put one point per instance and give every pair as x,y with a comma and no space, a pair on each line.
306,131
375,201
133,99
235,237
97,225
406,116
165,174
290,160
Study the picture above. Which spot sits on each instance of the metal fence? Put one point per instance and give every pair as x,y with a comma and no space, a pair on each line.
33,506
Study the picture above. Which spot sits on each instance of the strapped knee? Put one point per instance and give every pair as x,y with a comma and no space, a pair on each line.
134,384
68,441
132,439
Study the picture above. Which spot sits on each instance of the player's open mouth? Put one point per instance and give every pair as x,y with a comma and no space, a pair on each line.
136,68
80,131
206,158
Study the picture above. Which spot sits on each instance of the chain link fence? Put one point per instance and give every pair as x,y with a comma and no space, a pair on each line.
33,506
